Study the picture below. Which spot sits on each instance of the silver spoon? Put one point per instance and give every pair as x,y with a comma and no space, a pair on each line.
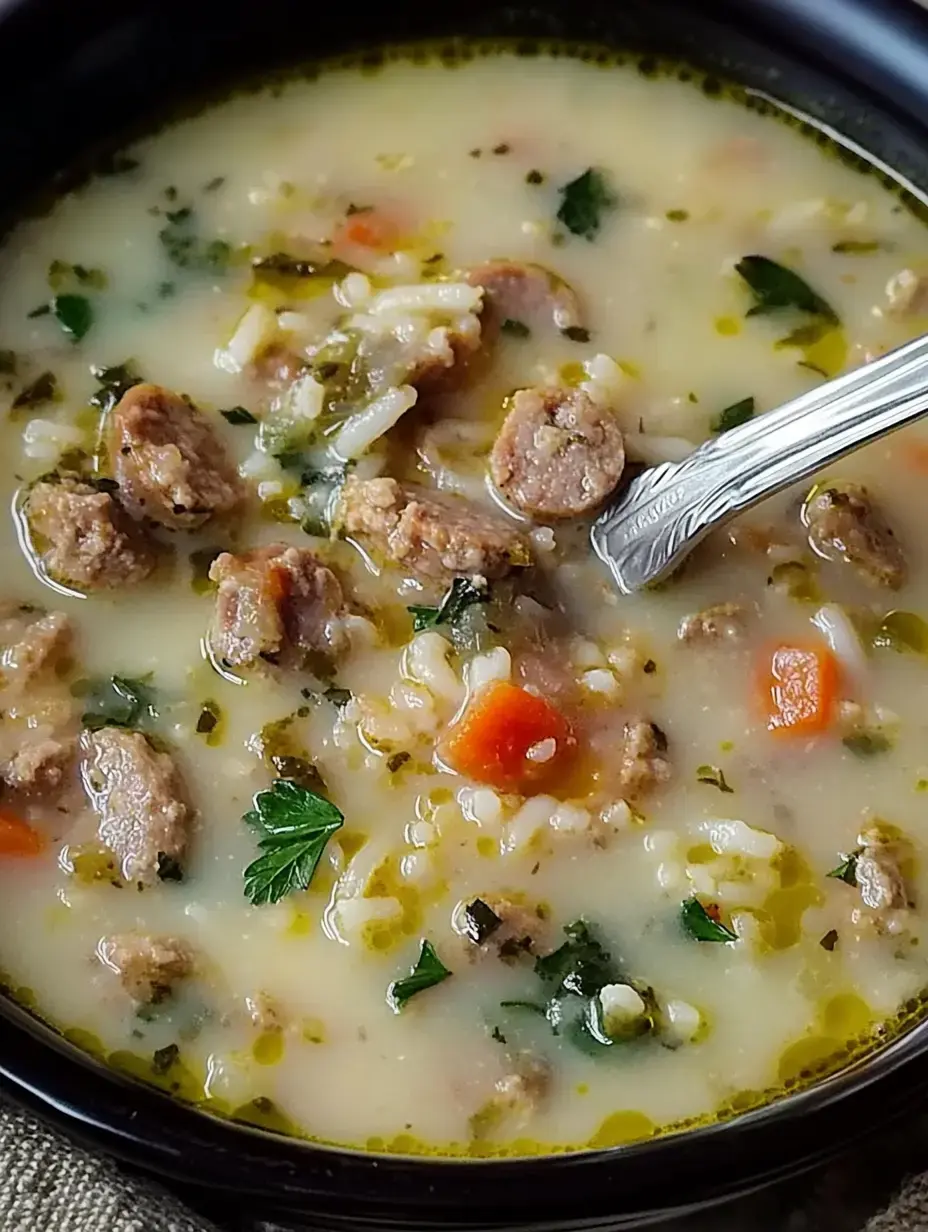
664,513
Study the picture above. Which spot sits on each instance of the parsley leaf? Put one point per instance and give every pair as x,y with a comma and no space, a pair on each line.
714,777
480,921
461,595
117,702
238,415
581,965
295,824
43,389
164,1059
114,382
734,416
585,200
775,287
700,925
74,313
846,871
186,249
428,971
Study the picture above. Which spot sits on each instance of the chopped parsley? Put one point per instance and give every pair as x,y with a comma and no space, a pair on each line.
164,1059
186,249
460,596
714,777
702,926
576,333
584,202
169,869
209,721
60,273
534,177
428,972
116,702
734,416
238,415
294,824
856,246
216,182
74,313
677,215
867,743
515,329
775,287
846,871
480,921
338,697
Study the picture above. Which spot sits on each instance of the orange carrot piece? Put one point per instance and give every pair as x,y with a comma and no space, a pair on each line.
498,731
368,230
800,688
17,837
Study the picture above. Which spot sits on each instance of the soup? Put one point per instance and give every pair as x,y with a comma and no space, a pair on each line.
342,793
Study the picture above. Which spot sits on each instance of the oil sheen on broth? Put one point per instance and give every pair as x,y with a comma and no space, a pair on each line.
307,405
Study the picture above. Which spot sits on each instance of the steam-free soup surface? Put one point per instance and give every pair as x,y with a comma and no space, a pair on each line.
308,404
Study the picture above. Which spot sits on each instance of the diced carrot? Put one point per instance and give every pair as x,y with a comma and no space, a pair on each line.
510,739
17,837
800,686
368,230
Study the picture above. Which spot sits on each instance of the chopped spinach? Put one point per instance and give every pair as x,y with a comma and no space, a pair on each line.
515,329
460,596
113,383
43,389
701,926
294,824
238,415
74,313
734,416
427,973
714,777
185,248
581,965
116,702
584,202
846,871
775,287
480,921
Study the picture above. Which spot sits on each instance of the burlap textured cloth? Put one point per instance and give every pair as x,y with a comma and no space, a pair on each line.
49,1184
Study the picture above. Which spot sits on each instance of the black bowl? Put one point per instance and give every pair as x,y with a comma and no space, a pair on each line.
75,76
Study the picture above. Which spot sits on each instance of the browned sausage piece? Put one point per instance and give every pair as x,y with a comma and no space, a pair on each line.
39,645
148,967
137,794
167,460
276,603
432,534
84,538
557,454
721,624
845,524
39,764
528,293
878,872
645,764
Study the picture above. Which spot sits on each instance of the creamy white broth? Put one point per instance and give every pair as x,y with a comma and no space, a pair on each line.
660,296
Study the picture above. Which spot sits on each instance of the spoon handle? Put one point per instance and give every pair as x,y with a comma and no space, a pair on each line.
666,511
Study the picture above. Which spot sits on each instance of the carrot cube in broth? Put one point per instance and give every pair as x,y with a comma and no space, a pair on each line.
800,688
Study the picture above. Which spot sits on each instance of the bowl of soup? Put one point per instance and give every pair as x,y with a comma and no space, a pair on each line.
360,845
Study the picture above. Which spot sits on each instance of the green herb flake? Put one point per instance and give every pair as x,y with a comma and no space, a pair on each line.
775,288
497,1035
338,697
576,333
480,921
846,871
830,940
699,924
74,313
428,972
116,702
43,310
734,416
856,247
461,595
530,1007
113,383
164,1059
215,183
187,250
238,415
534,177
294,824
209,721
515,329
581,965
584,202
867,743
37,393
714,777
169,869
678,215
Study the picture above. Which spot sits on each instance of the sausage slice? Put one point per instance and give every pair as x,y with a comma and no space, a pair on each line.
558,454
525,292
845,524
168,461
148,967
